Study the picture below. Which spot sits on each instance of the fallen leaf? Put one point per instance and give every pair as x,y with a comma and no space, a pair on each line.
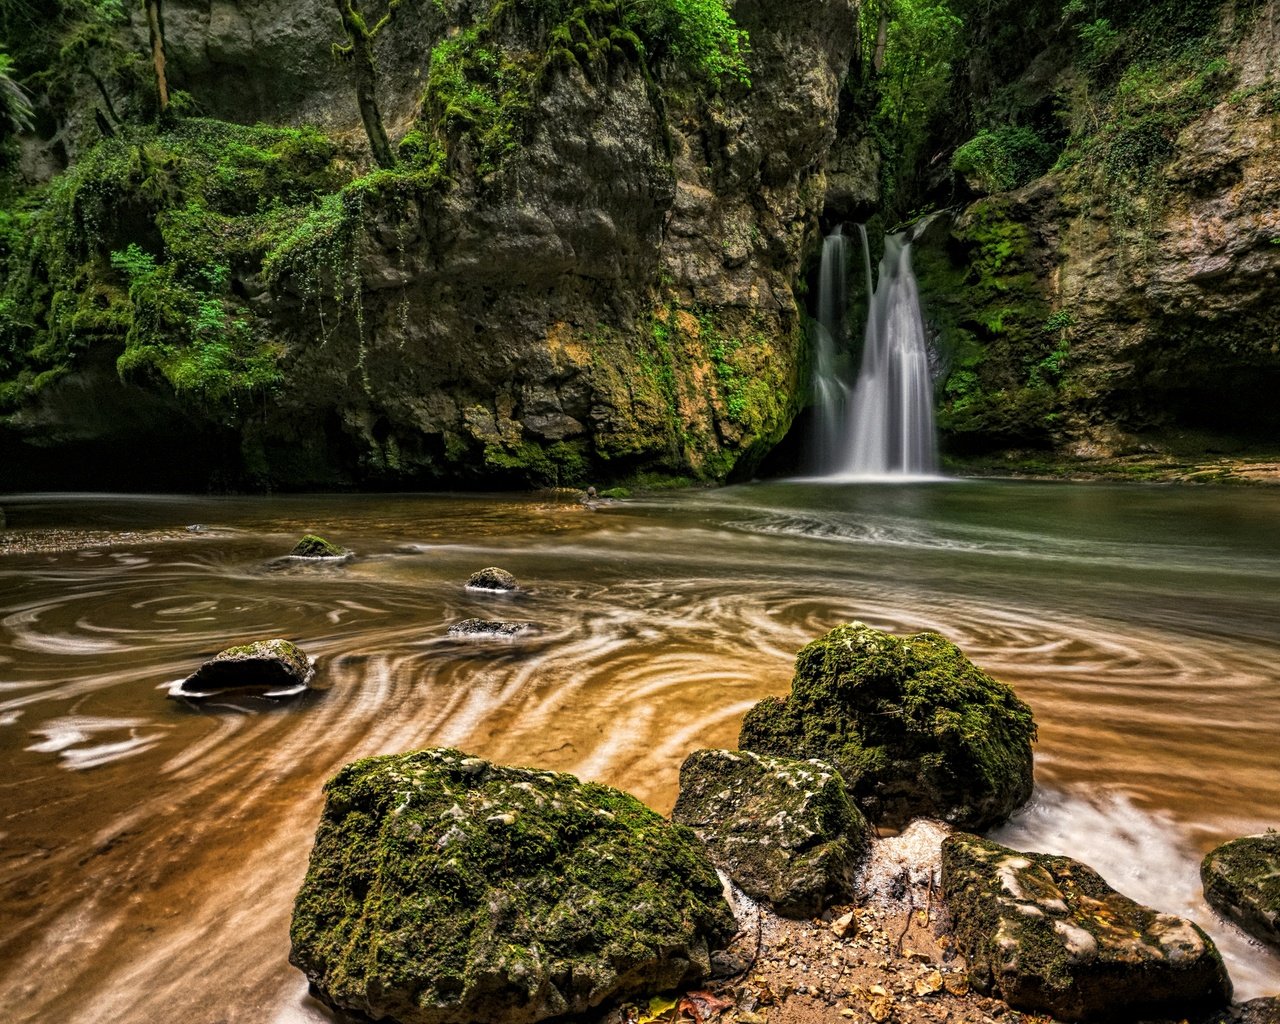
929,983
881,1009
956,984
878,990
661,1010
843,925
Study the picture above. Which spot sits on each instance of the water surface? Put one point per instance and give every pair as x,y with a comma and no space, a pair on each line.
151,850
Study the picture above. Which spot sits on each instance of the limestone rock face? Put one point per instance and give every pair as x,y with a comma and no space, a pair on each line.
916,729
1111,325
443,889
1242,880
270,667
785,831
1048,935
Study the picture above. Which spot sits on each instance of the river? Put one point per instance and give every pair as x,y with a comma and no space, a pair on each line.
151,850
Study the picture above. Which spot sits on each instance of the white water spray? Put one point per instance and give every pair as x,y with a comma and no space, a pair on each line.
883,427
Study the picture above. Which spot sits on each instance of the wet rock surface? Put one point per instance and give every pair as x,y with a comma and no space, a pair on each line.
1242,881
488,628
268,667
494,579
914,726
312,546
443,888
1048,935
785,831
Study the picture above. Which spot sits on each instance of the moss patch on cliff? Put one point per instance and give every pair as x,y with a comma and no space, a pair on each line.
1007,351
144,248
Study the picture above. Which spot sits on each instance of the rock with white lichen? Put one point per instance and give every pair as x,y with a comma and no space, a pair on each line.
1242,881
443,889
1048,935
785,831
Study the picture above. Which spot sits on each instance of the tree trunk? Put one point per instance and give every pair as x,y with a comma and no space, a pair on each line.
366,96
155,23
360,52
882,38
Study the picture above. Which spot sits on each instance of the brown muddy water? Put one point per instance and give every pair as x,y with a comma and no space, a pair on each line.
150,851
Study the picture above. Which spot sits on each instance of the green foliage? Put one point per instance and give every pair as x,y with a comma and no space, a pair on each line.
1004,158
699,36
15,103
136,248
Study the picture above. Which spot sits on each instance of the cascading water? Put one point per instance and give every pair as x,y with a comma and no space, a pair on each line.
884,425
832,398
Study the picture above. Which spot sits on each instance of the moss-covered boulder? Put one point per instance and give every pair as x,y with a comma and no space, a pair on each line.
444,889
269,668
493,579
914,726
785,831
312,546
1048,935
1242,881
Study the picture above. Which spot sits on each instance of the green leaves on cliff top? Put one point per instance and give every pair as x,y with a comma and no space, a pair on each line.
700,36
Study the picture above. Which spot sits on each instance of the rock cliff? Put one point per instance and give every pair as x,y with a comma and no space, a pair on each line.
583,268
1125,301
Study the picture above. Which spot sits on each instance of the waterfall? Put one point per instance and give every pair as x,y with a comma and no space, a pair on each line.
832,392
882,427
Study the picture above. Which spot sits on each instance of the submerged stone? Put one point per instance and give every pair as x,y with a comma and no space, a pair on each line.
1048,935
271,668
443,889
488,627
1242,881
785,831
916,728
312,546
494,579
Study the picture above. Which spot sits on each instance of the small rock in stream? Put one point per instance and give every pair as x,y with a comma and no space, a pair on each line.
493,579
488,628
266,668
312,546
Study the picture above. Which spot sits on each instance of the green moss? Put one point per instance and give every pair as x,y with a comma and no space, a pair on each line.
312,546
915,727
135,250
439,879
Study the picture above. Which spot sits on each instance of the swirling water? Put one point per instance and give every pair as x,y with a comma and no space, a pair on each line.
151,850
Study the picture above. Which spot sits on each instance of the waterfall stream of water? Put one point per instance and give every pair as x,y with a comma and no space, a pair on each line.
882,426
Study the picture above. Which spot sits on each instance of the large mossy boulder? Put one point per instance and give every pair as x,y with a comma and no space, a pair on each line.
444,889
1242,881
1048,935
785,831
916,728
269,668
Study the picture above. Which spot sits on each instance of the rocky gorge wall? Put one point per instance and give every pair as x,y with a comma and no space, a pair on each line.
1126,301
586,273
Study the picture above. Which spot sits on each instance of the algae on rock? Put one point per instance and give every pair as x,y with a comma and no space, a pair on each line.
914,726
443,889
1048,935
785,831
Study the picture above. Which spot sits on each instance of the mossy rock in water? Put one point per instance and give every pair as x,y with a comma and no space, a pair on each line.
492,578
312,546
914,726
443,889
270,667
1242,881
488,628
785,831
1048,935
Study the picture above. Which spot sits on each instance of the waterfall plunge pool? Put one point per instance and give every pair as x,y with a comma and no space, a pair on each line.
152,851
